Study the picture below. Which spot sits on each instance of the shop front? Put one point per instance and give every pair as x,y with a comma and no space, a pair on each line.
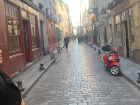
126,28
19,35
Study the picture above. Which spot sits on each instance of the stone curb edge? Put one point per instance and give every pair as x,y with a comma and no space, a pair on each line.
27,91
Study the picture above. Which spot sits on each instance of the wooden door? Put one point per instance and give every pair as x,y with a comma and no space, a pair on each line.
26,41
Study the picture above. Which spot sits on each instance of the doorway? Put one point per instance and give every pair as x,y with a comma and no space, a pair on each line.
26,41
127,41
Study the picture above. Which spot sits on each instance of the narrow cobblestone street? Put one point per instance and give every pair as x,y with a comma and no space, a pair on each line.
79,78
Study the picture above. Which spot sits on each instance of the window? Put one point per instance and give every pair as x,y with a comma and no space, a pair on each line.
124,15
33,30
118,34
117,19
13,31
131,25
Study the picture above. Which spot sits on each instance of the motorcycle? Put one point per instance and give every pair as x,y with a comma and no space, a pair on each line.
111,60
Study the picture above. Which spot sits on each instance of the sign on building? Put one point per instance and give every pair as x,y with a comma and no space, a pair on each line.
93,11
59,18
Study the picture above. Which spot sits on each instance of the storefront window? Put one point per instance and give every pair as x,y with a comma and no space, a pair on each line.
13,31
33,30
118,34
131,25
124,15
117,19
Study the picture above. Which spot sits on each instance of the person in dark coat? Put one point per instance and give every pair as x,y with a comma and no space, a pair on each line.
66,40
9,92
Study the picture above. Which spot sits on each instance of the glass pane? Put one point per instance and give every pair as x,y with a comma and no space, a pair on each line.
15,27
124,15
6,8
32,18
10,9
10,27
15,11
117,19
118,34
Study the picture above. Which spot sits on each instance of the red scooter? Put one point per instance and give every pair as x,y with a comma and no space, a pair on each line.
111,62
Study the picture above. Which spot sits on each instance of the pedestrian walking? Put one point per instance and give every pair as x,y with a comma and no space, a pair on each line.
9,92
66,40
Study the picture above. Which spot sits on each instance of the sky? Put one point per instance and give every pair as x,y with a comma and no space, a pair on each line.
74,8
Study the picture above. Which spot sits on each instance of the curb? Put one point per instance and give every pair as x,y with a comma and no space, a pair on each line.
24,69
28,89
129,80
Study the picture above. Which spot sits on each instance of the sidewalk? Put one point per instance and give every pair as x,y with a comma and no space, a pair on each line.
128,68
32,73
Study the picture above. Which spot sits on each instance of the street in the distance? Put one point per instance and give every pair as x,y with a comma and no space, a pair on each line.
79,78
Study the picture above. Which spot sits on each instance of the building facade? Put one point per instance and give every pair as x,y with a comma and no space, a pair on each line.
75,31
65,20
20,38
126,28
43,24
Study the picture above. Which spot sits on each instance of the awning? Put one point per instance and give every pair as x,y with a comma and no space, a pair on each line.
100,23
92,16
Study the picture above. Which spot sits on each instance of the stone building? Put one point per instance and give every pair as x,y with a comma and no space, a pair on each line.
20,34
42,4
126,28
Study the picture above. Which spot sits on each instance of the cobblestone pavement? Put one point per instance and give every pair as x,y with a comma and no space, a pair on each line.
79,78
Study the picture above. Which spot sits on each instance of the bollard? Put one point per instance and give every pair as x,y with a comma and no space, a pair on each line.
91,45
99,52
19,83
61,48
41,66
58,49
52,55
139,77
94,48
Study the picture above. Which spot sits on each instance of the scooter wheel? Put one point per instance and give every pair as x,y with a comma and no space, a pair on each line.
115,70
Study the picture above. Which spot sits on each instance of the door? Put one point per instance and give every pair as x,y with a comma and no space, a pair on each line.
127,41
26,41
42,38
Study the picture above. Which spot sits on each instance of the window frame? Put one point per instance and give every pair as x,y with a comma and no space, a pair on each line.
33,36
13,47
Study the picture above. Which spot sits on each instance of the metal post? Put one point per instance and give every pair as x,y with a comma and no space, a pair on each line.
41,66
19,83
139,77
